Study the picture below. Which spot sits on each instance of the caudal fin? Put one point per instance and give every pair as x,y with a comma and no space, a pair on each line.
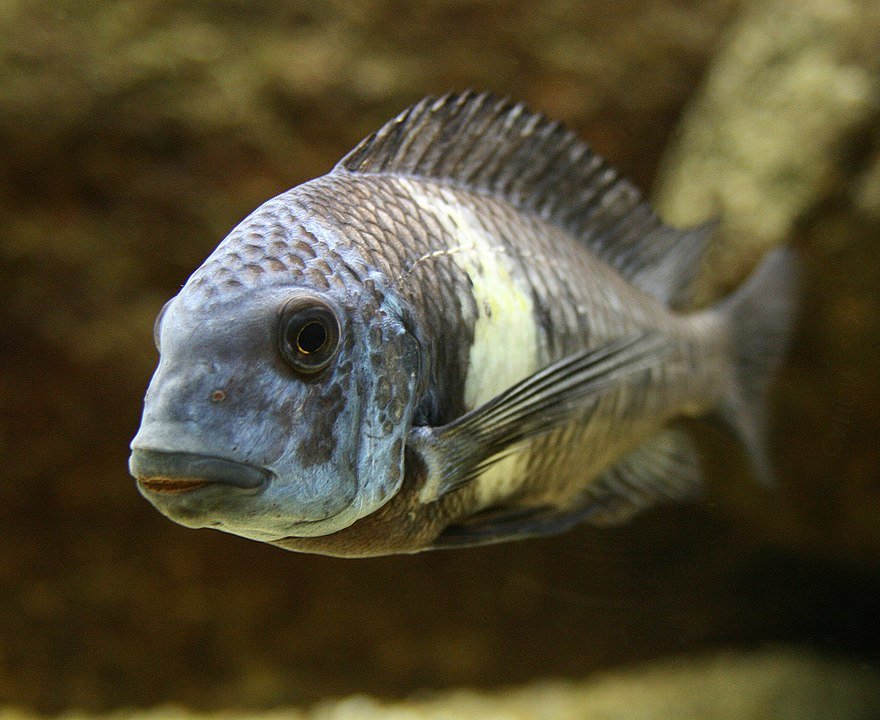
759,316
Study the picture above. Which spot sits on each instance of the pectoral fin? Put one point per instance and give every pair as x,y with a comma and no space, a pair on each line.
456,453
663,469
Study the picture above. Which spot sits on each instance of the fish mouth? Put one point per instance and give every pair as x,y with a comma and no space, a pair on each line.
174,473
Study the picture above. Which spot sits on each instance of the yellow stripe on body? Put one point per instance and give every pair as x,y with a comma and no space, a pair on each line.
505,344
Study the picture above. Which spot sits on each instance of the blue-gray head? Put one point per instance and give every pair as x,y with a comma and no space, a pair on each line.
285,385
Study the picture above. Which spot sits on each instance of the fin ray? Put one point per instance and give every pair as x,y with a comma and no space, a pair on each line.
458,452
494,146
759,316
663,469
666,468
503,525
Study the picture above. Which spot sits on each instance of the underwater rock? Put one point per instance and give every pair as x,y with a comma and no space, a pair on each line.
782,144
773,130
780,685
135,133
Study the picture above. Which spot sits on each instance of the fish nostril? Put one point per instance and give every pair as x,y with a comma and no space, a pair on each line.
218,396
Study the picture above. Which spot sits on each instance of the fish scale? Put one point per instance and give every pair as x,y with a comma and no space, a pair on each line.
445,289
471,330
567,332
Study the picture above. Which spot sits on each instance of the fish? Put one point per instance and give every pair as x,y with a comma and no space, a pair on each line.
471,330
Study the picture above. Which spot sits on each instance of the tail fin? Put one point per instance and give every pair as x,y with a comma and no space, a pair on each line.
759,317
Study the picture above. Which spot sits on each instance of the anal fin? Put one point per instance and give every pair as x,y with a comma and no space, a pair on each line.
664,469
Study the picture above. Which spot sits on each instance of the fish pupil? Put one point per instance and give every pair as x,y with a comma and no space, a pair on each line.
308,335
311,338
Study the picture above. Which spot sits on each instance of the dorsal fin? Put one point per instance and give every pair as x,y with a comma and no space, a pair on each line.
494,146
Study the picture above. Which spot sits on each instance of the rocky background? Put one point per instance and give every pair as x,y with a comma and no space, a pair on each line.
135,133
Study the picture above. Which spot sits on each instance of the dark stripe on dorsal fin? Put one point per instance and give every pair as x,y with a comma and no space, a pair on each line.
492,145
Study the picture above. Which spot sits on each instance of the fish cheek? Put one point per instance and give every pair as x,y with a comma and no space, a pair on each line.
320,442
391,391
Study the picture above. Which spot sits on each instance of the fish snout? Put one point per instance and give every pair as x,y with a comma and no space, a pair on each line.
174,473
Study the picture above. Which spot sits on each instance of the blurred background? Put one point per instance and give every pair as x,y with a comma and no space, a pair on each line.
135,133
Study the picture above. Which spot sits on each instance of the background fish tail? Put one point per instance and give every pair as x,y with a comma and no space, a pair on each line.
759,317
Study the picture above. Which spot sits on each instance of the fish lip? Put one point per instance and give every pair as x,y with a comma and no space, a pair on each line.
174,473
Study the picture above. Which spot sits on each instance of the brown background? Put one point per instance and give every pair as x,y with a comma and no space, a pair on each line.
133,135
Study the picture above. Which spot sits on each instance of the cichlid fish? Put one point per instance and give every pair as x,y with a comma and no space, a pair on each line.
471,330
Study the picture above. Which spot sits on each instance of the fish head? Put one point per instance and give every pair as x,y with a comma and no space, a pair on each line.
281,404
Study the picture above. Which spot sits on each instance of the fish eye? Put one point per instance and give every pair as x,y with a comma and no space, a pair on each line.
308,336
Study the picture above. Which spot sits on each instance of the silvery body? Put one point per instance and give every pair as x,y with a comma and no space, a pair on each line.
471,330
